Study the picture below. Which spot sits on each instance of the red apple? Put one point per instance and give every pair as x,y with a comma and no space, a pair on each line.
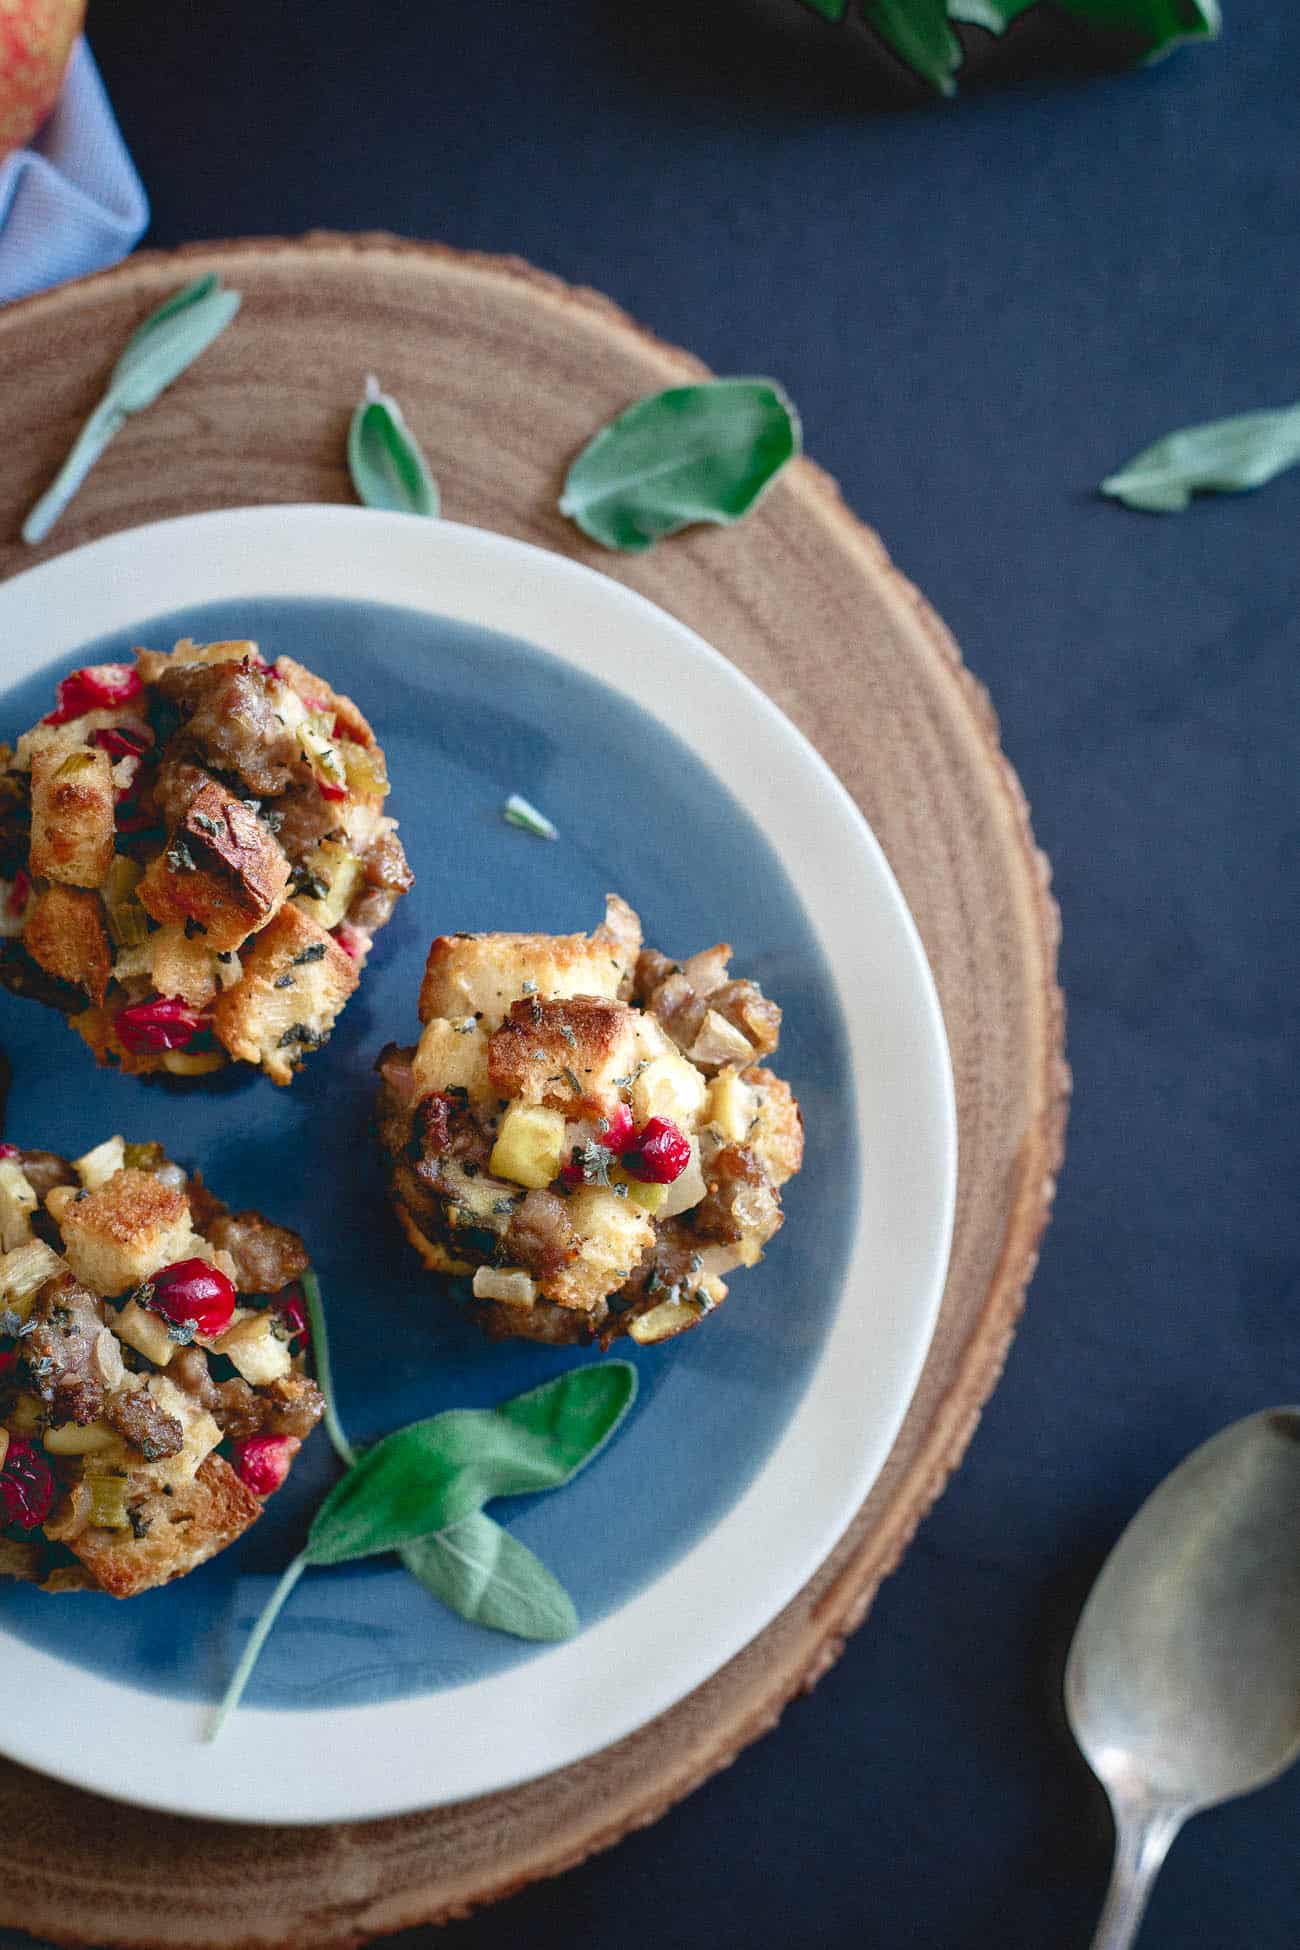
36,38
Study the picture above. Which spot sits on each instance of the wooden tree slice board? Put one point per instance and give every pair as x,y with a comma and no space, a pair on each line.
504,373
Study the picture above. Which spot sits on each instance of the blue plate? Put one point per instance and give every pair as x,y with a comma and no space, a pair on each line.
467,715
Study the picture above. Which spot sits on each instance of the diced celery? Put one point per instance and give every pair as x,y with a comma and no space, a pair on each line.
127,921
108,1501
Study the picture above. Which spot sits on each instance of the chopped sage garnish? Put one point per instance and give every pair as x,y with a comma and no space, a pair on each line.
518,812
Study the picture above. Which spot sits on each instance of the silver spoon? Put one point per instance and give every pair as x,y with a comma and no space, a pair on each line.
1183,1682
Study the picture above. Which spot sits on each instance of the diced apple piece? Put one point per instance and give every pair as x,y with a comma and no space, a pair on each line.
529,1146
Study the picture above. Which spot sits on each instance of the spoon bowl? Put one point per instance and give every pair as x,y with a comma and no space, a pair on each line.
1183,1681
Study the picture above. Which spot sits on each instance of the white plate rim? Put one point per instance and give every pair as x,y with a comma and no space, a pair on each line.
572,1700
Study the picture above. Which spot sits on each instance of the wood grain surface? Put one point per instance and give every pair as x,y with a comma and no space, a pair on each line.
504,373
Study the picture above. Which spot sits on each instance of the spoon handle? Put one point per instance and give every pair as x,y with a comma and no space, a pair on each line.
1142,1838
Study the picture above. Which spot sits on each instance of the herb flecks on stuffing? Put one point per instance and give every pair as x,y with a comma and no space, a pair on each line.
195,859
586,1130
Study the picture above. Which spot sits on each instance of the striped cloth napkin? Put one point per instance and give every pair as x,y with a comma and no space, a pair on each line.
72,202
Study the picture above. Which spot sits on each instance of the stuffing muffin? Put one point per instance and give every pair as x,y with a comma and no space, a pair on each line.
586,1128
150,1393
195,858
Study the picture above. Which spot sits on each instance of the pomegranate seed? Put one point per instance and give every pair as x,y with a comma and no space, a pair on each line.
191,1289
662,1153
9,1151
20,893
97,687
122,741
292,1309
8,1362
332,791
166,1022
621,1134
356,942
263,1461
27,1486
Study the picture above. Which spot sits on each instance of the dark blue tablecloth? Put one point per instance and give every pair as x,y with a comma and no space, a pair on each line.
980,309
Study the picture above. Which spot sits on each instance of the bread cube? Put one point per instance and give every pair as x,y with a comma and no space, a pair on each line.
776,1139
117,1236
172,1534
66,936
183,965
73,830
453,1056
569,1054
613,1236
483,974
222,871
296,979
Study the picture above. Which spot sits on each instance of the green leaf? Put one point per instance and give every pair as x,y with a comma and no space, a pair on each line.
156,353
387,467
1162,24
489,1577
1221,457
257,1638
693,453
920,34
995,15
428,1476
517,811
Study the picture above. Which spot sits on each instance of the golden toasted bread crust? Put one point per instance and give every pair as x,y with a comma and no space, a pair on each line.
295,980
223,871
178,1532
72,816
65,935
542,1046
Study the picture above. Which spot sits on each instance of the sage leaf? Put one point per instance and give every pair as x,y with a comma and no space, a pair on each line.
1221,457
693,453
489,1577
920,33
517,811
384,458
428,1476
157,352
1162,25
